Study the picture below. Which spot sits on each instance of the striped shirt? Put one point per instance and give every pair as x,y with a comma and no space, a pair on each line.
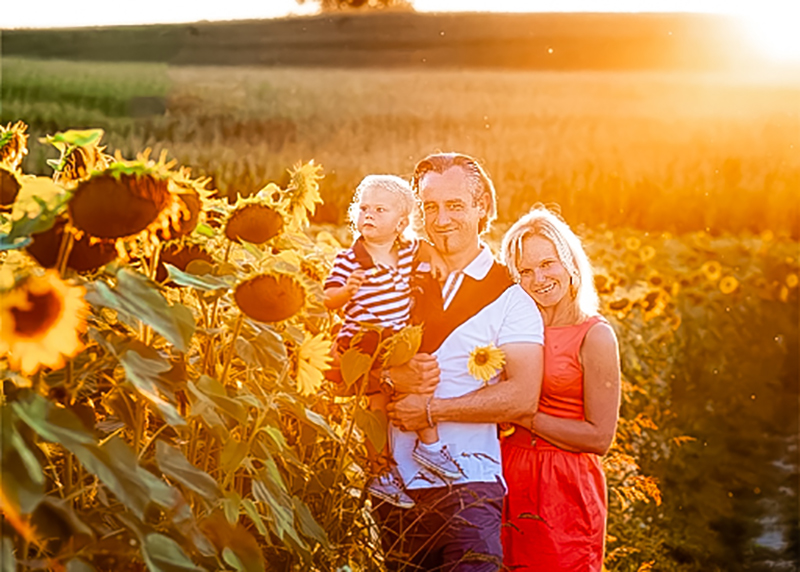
384,298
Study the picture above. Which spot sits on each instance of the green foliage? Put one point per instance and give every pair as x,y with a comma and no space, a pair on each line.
183,436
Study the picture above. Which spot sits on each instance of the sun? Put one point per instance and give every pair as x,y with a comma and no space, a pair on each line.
772,30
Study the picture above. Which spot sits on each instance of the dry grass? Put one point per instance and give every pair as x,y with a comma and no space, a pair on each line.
660,151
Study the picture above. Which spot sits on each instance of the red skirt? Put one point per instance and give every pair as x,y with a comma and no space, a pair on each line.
554,515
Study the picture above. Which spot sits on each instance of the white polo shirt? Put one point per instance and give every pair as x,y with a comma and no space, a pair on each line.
512,318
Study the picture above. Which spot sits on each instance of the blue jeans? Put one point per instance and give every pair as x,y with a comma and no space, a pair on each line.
451,529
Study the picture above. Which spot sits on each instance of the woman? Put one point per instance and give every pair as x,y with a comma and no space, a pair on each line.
555,511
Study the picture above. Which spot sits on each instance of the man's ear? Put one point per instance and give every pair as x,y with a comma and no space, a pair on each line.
483,204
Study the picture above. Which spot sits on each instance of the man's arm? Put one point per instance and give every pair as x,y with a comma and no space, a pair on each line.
507,400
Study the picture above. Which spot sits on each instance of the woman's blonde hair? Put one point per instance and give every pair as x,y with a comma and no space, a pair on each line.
545,223
399,187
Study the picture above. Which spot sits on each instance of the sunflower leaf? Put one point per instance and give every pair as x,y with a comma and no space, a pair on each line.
77,137
43,220
162,554
374,425
355,364
138,297
205,282
309,527
8,562
144,373
174,464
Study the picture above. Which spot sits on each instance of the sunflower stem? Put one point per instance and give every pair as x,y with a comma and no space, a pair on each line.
64,250
236,329
154,260
340,465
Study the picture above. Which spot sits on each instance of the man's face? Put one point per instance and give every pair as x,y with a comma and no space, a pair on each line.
452,216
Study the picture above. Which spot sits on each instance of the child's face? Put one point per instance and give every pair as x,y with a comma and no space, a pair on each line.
380,215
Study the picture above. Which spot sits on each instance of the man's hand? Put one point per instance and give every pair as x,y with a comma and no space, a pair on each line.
409,412
419,375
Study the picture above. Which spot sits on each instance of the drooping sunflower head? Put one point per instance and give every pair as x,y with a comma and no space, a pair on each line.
40,321
301,196
81,154
485,362
85,256
80,162
13,145
128,200
254,222
9,188
270,297
399,348
192,196
180,256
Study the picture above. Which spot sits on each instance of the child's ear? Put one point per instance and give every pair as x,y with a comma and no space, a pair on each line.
402,225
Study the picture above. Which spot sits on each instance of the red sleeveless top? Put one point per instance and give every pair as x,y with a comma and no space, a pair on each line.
562,382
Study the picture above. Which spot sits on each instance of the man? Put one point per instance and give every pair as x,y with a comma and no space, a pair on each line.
456,525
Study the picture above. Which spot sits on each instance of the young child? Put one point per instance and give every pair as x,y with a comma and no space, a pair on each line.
371,280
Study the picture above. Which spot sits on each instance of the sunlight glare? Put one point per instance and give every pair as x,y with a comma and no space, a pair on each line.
773,31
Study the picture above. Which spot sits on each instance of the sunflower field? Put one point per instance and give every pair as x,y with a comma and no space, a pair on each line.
164,404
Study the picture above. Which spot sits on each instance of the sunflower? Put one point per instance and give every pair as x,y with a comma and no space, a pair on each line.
633,243
85,256
653,304
9,187
647,253
655,279
80,162
81,154
254,222
13,145
125,202
40,318
620,307
792,280
485,362
712,269
270,297
401,346
728,284
302,194
603,283
313,358
180,256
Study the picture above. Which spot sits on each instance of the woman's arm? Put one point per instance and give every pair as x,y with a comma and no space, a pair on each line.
601,393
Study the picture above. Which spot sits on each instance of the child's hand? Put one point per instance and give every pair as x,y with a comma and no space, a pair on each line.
429,254
354,282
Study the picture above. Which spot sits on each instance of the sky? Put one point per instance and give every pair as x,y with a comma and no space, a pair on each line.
771,23
58,13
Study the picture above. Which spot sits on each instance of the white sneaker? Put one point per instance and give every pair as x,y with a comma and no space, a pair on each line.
439,461
389,487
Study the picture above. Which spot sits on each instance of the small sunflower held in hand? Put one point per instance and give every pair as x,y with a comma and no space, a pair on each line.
485,362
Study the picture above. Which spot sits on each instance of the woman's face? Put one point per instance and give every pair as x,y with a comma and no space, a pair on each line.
541,273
